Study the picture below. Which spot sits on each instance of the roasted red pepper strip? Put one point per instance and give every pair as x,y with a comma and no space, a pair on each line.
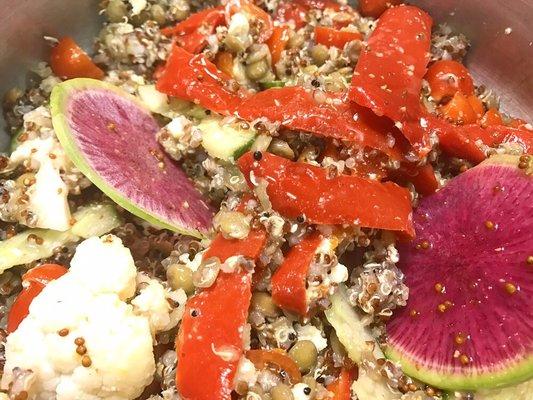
225,248
341,387
447,77
277,42
33,282
289,280
497,134
191,34
374,8
290,12
69,61
299,109
277,358
335,37
388,76
253,12
195,78
210,341
339,200
422,177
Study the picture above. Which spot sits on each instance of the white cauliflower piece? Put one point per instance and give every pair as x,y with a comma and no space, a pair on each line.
153,304
87,302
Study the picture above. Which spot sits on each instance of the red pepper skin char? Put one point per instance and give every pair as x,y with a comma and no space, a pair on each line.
289,280
298,189
388,75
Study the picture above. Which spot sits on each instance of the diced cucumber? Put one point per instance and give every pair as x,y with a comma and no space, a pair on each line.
272,84
20,249
95,220
350,330
92,220
225,141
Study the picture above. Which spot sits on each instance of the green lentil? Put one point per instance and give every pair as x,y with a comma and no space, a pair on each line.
116,10
257,70
263,303
281,392
180,277
304,354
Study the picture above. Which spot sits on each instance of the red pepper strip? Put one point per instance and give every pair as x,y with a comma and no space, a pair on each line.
289,280
253,12
34,282
250,247
341,387
290,11
422,177
195,78
298,109
69,61
191,34
497,134
388,76
210,341
374,8
279,359
335,37
277,42
339,200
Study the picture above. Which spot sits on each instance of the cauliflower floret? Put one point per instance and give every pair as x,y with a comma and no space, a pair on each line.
153,304
114,357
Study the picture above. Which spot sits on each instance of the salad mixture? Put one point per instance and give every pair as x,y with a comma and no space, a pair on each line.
269,200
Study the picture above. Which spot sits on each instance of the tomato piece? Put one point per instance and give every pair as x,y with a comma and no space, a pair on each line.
299,109
422,177
68,61
34,282
491,117
250,247
341,387
224,62
291,13
388,75
254,12
195,78
459,110
374,8
277,42
277,358
335,37
339,200
210,341
289,280
447,77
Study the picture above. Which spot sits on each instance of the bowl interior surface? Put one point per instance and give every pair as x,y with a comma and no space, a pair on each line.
502,61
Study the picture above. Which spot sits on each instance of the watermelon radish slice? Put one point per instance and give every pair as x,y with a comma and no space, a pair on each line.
111,138
468,323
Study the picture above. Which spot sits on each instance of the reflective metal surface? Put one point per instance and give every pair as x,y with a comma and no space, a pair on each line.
499,60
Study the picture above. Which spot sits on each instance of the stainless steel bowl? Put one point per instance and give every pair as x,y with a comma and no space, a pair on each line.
500,60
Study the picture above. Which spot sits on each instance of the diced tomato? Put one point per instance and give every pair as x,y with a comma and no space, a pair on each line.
334,200
277,358
325,114
69,61
422,177
335,37
491,117
388,76
253,12
289,280
374,8
191,34
195,78
277,42
447,77
224,62
210,341
33,282
341,387
459,110
225,248
290,12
